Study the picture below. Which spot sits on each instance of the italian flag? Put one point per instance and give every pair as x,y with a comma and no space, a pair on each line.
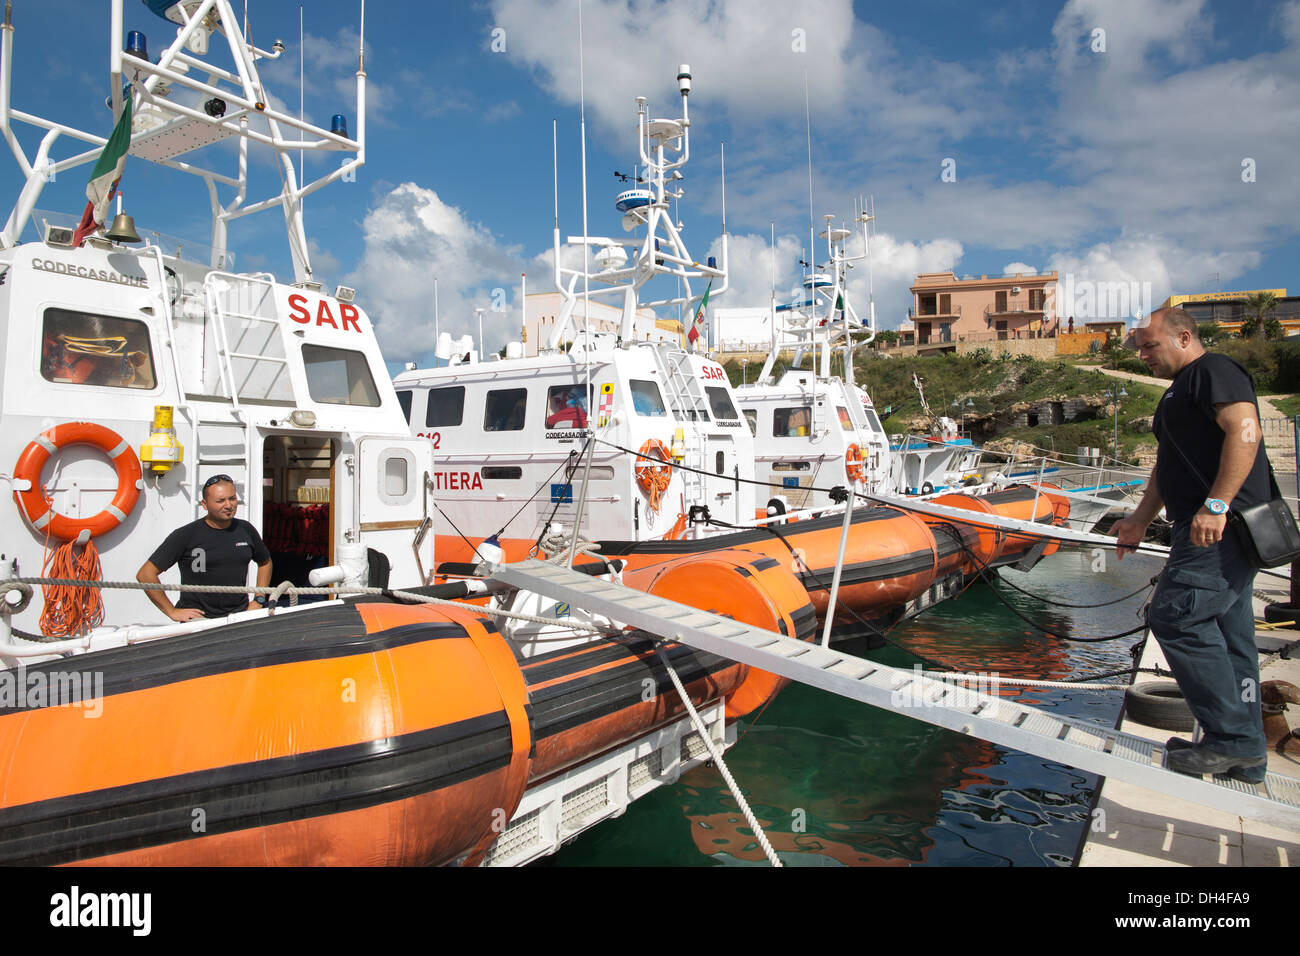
106,174
698,324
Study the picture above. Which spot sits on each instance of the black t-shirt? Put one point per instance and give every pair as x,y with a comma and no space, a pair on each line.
1185,418
209,555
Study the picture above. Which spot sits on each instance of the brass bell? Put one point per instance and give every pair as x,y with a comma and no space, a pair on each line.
123,229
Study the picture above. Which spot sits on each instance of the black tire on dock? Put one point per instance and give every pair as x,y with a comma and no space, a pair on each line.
1282,613
1158,704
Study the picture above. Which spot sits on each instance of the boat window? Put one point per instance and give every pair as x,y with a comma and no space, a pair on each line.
790,466
791,422
846,423
338,376
720,462
502,471
751,416
873,421
504,411
446,407
646,399
574,472
566,406
82,349
395,476
720,404
404,399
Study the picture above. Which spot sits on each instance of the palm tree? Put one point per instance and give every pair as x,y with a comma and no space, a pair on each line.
1258,306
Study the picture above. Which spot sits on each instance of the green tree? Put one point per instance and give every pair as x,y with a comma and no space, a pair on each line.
1258,307
1250,326
1273,329
1208,331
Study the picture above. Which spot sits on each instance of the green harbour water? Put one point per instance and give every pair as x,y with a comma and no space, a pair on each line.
837,783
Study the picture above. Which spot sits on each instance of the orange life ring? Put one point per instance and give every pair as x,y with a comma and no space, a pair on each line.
853,463
37,507
653,477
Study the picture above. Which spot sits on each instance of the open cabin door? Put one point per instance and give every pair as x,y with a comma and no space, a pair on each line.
391,491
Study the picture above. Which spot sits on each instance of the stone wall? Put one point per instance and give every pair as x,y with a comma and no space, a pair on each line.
1039,348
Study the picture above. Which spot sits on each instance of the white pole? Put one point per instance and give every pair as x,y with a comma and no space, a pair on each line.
435,320
839,569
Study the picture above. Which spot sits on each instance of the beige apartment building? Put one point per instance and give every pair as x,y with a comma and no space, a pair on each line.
543,307
947,310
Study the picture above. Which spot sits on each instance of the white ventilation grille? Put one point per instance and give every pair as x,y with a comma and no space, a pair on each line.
581,803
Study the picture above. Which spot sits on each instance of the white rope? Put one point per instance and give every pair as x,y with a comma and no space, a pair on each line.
716,754
18,584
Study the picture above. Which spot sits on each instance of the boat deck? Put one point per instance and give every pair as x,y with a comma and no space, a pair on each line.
1133,826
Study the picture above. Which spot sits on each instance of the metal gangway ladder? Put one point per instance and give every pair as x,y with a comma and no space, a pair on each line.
1076,743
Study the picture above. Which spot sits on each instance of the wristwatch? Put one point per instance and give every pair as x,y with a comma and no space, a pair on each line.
261,599
1216,506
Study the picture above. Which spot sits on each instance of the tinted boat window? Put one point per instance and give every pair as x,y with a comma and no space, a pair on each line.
845,422
720,404
646,399
504,411
446,407
566,406
404,399
338,376
751,416
82,349
793,422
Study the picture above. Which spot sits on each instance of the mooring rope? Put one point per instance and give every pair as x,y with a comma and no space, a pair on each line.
716,754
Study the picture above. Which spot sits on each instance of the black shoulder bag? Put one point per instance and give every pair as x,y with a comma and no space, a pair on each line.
1267,531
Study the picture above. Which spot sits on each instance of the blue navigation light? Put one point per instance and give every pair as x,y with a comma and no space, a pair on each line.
339,125
713,263
137,45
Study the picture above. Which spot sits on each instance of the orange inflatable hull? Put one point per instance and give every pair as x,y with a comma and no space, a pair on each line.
892,556
360,734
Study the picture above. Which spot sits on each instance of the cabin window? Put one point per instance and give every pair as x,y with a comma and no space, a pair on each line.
404,400
446,407
338,376
751,416
82,349
720,404
646,399
509,472
504,411
792,422
566,406
846,423
396,468
872,420
790,466
720,462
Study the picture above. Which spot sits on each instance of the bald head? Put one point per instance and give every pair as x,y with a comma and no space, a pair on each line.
1168,342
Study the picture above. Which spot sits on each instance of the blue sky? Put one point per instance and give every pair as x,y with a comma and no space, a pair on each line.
1112,157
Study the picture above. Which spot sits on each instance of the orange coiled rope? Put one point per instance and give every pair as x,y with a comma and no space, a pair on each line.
654,471
71,611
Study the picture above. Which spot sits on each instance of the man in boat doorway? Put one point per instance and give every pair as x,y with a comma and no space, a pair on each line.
1210,459
215,549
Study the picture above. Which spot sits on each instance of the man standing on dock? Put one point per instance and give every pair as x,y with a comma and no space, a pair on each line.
1210,460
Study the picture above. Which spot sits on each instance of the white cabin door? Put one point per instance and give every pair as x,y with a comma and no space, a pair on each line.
391,501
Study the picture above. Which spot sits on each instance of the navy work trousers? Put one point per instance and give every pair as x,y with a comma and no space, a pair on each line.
1201,613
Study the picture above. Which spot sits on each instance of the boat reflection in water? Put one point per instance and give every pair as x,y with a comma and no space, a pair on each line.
839,784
